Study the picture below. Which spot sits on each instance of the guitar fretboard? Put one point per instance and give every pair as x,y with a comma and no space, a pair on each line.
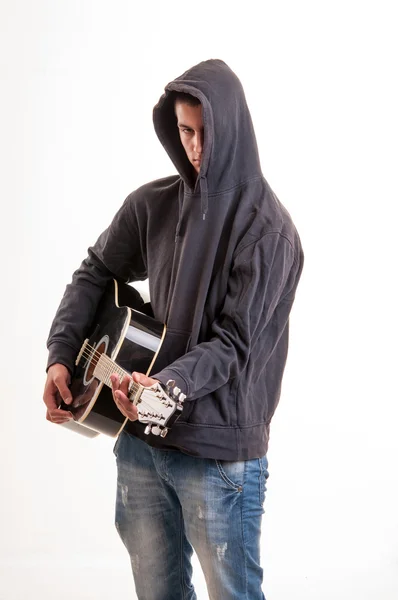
105,367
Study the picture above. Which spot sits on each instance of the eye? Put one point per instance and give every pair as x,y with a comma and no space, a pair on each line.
186,130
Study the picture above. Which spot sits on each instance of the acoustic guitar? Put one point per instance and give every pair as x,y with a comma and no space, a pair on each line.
121,340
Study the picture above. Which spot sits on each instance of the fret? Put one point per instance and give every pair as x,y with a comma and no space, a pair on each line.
105,367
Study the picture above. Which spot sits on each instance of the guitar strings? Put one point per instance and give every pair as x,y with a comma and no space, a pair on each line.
133,388
89,352
117,369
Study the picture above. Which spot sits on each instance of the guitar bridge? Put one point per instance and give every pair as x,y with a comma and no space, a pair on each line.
82,349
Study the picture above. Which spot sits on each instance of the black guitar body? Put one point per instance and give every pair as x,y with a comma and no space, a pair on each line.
129,338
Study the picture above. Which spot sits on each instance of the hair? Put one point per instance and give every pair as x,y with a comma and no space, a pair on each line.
186,99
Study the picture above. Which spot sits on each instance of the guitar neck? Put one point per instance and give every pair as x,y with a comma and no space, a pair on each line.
105,367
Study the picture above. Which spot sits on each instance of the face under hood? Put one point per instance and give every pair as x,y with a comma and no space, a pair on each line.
230,154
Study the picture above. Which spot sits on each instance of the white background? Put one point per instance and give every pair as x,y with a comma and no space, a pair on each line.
79,80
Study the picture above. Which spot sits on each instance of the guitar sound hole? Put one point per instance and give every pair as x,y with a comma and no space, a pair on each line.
100,348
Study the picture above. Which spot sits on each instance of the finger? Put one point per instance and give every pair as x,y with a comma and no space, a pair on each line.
121,384
59,416
115,382
63,389
59,421
130,412
124,384
126,407
49,399
60,413
143,379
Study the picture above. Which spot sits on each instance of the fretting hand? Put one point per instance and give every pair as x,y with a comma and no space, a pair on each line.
120,392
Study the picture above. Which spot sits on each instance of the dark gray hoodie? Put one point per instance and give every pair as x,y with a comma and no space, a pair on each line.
223,259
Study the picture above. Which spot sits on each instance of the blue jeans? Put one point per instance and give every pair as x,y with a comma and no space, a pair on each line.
169,503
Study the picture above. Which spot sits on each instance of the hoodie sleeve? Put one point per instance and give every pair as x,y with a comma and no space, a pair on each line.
260,295
116,254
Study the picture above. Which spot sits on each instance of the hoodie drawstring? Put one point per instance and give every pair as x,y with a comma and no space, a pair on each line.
204,203
180,203
204,195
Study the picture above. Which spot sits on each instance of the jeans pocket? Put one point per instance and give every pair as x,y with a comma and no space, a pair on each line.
232,473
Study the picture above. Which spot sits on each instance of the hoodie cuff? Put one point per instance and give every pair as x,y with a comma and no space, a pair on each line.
62,354
167,374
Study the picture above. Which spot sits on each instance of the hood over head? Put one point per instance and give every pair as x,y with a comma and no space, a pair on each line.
230,154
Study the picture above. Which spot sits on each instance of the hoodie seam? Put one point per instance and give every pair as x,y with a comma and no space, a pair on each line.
265,235
224,191
136,231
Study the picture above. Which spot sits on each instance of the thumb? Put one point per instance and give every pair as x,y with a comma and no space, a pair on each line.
64,392
143,379
138,377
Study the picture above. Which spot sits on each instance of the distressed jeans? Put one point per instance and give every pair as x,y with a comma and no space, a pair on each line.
169,504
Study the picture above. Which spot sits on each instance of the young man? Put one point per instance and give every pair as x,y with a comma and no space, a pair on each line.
223,260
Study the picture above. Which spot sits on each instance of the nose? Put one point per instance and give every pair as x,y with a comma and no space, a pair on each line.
198,142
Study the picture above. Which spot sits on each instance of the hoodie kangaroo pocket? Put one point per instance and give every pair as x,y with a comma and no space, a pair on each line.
174,345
